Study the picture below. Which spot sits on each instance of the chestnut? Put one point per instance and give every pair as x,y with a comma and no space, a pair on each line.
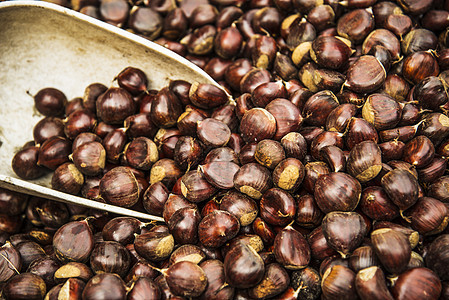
241,206
89,158
186,279
195,187
154,246
115,105
330,52
105,286
277,207
73,242
218,227
363,257
375,203
165,108
67,178
370,283
253,180
338,282
257,124
133,80
11,262
365,75
215,288
119,187
392,248
183,225
419,282
364,161
337,191
275,281
243,266
24,163
428,216
25,286
54,152
437,256
291,249
344,231
401,187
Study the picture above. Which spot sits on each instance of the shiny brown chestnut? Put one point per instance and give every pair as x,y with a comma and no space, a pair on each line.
344,231
195,187
11,262
365,75
363,257
355,25
89,158
412,70
419,282
291,249
392,248
382,111
438,189
376,204
186,279
401,187
364,161
110,257
243,266
253,180
105,285
338,282
207,96
257,124
339,117
73,242
214,271
419,151
295,145
216,228
119,187
287,115
277,207
46,128
437,256
54,152
50,102
330,52
24,163
241,206
428,216
370,283
67,178
183,225
318,107
25,286
359,130
213,133
165,108
115,105
337,191
154,246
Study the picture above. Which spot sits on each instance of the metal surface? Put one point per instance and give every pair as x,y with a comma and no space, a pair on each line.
45,45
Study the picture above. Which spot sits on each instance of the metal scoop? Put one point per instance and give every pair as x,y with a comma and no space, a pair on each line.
45,45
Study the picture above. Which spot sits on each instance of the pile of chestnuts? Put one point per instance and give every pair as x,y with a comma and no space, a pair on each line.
324,176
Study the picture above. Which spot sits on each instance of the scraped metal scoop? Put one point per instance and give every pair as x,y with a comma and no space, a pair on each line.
45,45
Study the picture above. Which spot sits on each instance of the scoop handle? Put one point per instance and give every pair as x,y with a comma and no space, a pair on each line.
32,189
